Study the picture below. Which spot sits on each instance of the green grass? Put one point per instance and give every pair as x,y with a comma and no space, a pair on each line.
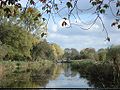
81,64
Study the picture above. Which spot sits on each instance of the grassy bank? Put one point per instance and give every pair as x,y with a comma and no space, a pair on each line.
11,66
99,74
26,74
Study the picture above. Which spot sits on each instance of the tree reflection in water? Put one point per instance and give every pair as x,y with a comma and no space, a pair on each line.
100,76
32,78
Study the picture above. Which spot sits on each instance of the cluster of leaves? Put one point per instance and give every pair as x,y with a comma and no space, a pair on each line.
42,51
57,50
116,23
100,7
28,18
88,53
18,42
8,11
118,5
72,54
9,2
69,4
102,53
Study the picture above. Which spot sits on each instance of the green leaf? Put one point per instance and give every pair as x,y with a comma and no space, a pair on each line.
39,15
48,11
43,8
118,26
118,4
43,19
94,3
108,39
91,1
18,5
7,10
113,24
32,2
117,12
106,6
56,6
69,4
43,34
102,11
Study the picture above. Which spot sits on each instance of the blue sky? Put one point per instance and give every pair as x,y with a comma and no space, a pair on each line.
75,37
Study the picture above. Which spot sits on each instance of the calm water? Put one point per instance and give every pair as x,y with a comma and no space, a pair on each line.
68,79
56,76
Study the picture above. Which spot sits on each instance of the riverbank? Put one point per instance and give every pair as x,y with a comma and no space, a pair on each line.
100,74
23,74
24,65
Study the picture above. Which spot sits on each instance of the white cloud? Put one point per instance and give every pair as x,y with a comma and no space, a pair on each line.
77,41
57,36
54,28
76,38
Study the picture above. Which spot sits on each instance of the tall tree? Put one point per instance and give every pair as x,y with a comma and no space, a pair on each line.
17,40
67,53
58,51
102,54
88,53
72,54
42,50
113,56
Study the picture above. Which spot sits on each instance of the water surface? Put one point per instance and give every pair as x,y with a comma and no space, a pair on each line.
55,76
68,79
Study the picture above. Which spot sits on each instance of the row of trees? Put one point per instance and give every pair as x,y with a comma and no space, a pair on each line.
91,53
16,43
87,53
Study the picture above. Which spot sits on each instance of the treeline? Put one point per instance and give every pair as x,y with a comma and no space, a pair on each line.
87,53
90,53
18,44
